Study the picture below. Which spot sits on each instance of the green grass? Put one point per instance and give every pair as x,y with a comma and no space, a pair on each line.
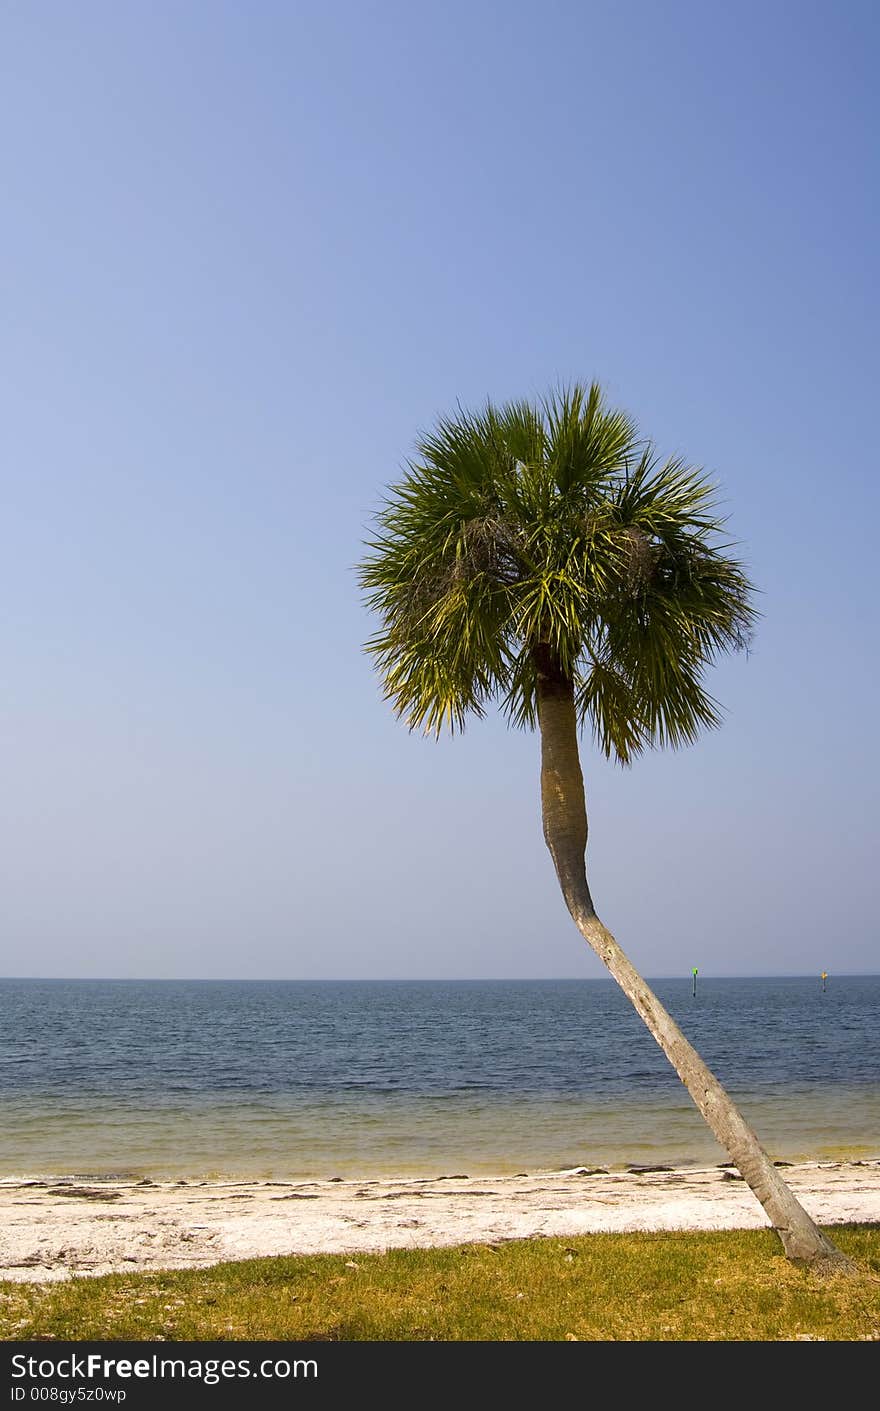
636,1287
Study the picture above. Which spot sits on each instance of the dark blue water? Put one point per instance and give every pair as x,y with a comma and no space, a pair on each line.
293,1078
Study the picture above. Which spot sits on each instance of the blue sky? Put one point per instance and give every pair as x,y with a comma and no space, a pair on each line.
247,253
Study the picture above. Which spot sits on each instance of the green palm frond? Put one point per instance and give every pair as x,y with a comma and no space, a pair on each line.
553,524
586,441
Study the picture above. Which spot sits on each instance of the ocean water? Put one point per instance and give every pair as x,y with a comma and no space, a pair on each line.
277,1080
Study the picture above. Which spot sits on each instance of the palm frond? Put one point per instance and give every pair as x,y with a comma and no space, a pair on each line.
557,524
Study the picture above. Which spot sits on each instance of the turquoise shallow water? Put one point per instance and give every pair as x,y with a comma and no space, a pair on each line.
279,1079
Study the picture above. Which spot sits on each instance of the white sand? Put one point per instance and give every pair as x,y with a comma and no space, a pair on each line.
53,1230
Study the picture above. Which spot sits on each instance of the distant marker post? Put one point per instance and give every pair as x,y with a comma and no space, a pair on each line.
824,977
695,973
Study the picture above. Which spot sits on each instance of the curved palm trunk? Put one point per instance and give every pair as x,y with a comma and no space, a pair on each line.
565,832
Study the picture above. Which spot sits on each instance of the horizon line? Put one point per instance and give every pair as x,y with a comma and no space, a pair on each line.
424,979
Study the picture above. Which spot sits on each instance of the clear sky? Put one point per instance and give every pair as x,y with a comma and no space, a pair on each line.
247,252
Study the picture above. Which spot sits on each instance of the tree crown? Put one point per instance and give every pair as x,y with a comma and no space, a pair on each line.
552,531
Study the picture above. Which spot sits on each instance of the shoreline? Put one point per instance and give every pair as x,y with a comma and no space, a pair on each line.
58,1228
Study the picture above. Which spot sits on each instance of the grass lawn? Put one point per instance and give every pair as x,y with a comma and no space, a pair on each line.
667,1287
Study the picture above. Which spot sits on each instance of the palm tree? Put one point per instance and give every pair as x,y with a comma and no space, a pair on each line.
541,555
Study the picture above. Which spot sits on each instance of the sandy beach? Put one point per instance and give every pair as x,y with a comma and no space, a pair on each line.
56,1229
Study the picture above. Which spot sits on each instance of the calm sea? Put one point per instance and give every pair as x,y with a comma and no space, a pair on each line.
289,1079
